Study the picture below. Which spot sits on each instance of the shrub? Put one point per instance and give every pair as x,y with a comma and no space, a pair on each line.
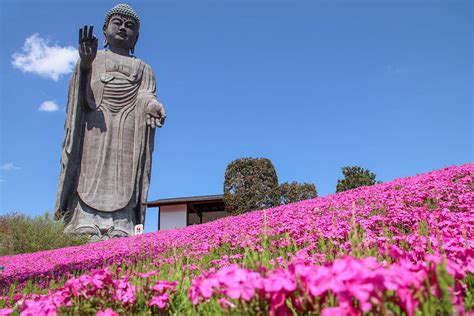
250,184
295,192
355,177
20,233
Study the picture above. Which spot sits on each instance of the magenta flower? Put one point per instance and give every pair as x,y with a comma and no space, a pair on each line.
6,311
160,300
124,291
107,312
147,274
238,283
43,306
419,222
202,287
207,287
319,281
279,280
339,311
161,286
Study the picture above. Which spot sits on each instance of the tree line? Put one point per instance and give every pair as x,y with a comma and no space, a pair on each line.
252,183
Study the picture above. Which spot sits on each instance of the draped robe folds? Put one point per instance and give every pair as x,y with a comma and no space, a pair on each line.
107,147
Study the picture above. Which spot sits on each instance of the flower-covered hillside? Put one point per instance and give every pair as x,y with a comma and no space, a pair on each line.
403,246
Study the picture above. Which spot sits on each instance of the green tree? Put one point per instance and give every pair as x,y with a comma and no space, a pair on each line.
295,192
355,177
250,184
24,234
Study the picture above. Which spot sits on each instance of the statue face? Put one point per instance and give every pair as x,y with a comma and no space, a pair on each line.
121,32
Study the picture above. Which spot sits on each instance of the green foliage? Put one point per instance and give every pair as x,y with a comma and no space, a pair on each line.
250,184
355,177
23,234
295,192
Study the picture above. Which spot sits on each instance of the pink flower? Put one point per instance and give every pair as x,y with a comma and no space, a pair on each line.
107,312
363,292
6,311
278,280
239,283
62,297
348,278
207,287
319,281
148,274
161,286
124,292
277,303
74,286
203,287
339,311
43,306
159,300
429,213
236,256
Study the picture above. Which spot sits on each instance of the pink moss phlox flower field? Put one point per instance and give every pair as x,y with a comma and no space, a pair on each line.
402,247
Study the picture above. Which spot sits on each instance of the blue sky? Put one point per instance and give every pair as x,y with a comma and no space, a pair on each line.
314,86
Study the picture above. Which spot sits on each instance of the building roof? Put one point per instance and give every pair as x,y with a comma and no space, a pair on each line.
218,198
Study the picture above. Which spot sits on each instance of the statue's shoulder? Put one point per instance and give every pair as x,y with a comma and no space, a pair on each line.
99,58
143,65
141,61
99,55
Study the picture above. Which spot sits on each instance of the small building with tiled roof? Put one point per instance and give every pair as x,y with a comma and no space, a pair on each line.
184,211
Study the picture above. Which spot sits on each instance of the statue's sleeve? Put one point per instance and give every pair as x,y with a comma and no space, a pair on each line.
70,148
146,93
147,89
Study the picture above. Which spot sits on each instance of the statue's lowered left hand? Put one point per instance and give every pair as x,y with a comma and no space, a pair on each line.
155,114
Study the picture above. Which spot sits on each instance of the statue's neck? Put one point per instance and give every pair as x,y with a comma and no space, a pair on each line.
119,51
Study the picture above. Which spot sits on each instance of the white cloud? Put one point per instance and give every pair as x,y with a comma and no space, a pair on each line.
41,58
9,166
48,106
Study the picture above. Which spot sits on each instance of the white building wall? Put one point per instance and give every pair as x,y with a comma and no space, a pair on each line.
173,216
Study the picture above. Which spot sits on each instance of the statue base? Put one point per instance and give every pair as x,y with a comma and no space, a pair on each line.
101,225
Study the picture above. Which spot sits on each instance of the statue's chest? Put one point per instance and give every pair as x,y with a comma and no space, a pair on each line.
115,82
119,66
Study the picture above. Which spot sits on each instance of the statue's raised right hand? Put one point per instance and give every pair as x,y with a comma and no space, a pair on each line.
87,47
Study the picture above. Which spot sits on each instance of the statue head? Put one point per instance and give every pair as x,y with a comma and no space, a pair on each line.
121,27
